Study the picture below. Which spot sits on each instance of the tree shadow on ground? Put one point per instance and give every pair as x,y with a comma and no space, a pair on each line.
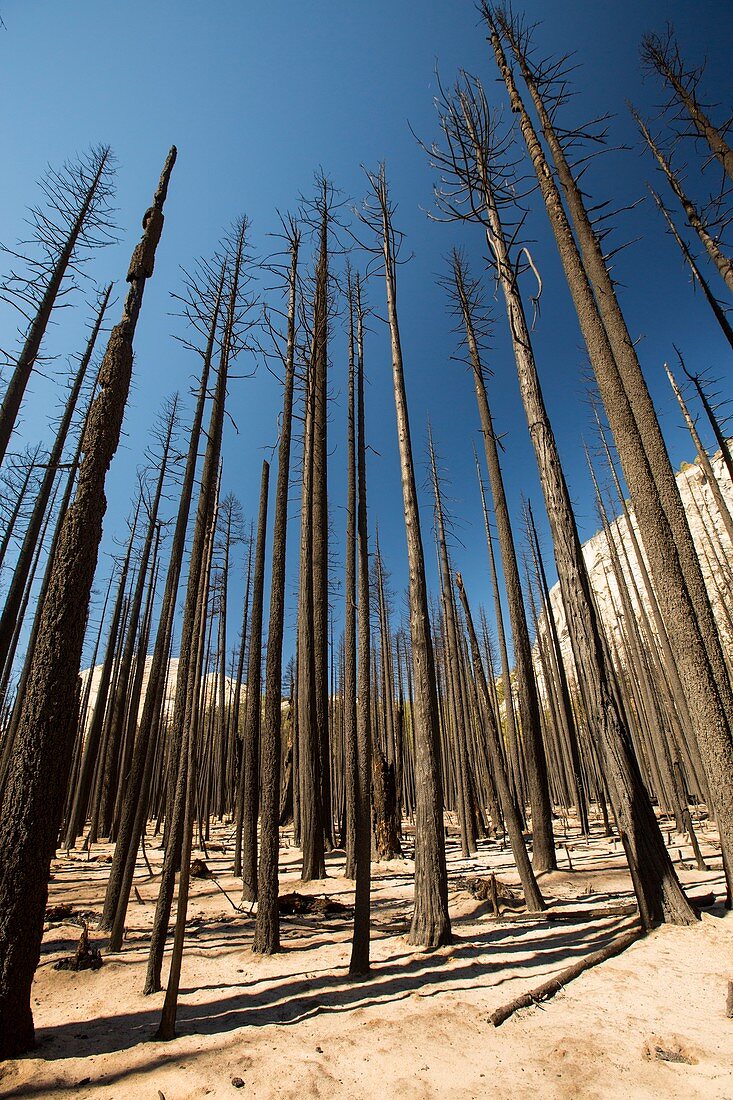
531,953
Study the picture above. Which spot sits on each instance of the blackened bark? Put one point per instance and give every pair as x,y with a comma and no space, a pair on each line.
267,933
359,963
253,708
14,595
430,921
134,809
543,844
662,520
34,798
350,744
37,328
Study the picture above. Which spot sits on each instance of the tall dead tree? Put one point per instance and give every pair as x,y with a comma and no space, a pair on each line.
430,920
350,742
34,797
267,934
662,54
14,595
75,220
713,420
475,173
702,455
319,366
186,785
314,795
250,772
663,524
695,219
718,311
181,783
16,488
359,962
466,298
309,799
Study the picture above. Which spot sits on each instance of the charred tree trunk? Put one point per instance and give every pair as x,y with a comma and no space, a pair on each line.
430,922
135,805
187,682
663,525
14,595
250,776
359,963
543,845
34,798
267,933
350,741
83,219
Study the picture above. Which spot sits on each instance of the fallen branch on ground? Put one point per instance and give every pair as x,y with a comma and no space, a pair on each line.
623,909
549,988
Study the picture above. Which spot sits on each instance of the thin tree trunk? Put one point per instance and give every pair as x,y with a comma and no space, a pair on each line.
723,263
712,301
14,595
359,963
430,921
543,845
37,329
253,707
350,740
188,667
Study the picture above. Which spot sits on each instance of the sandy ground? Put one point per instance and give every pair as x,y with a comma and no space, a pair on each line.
293,1025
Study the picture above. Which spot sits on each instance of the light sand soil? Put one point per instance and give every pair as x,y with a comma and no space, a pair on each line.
292,1025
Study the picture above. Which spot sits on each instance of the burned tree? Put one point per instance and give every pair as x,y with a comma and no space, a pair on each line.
465,293
359,963
34,797
249,776
75,220
430,921
267,935
478,179
663,525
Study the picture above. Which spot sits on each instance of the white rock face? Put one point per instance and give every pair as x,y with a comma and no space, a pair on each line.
211,687
713,546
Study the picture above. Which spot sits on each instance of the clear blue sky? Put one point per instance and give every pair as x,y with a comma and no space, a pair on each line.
258,96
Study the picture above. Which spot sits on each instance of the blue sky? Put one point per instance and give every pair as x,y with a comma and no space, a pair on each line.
257,97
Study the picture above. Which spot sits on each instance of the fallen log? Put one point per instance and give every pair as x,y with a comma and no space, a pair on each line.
549,988
623,909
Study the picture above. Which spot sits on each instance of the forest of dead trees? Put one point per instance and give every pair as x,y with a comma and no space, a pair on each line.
505,708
